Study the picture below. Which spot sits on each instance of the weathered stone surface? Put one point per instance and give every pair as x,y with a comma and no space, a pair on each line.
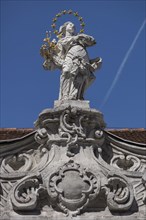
70,167
72,103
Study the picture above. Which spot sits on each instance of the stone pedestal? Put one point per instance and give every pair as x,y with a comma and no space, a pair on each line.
72,103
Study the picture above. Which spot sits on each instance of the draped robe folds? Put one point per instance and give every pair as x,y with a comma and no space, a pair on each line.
71,56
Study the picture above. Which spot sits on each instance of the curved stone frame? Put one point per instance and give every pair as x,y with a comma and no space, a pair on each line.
73,206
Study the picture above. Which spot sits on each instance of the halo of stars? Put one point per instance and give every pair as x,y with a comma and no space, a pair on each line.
67,12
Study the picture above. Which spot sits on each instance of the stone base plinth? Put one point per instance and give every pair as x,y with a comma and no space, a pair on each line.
77,109
72,103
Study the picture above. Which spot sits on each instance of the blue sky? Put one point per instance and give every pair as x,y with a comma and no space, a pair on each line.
27,89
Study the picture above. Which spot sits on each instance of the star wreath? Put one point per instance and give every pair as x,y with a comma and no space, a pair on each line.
67,12
51,45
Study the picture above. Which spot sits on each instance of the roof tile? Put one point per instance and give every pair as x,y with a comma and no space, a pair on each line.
136,135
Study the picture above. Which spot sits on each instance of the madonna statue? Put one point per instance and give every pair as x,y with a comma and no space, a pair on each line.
70,55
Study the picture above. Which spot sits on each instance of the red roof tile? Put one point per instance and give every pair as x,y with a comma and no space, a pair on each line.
12,133
135,135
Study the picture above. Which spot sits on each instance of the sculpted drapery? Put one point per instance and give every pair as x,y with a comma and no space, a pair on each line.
70,55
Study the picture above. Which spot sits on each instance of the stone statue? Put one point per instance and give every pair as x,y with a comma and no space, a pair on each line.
70,167
70,55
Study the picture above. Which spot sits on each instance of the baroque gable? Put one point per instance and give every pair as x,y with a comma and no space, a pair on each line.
71,166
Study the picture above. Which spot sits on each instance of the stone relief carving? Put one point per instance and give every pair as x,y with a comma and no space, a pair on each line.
73,187
72,129
65,161
25,193
13,163
140,191
144,184
41,136
120,195
29,161
126,162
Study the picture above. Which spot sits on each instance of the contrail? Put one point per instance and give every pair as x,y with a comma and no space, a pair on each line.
123,63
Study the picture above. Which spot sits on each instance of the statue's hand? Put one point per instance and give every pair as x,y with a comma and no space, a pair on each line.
43,51
54,41
95,64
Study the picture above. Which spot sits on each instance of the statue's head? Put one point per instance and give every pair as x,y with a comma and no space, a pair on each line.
67,27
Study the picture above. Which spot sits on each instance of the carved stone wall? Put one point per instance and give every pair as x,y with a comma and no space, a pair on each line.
71,168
